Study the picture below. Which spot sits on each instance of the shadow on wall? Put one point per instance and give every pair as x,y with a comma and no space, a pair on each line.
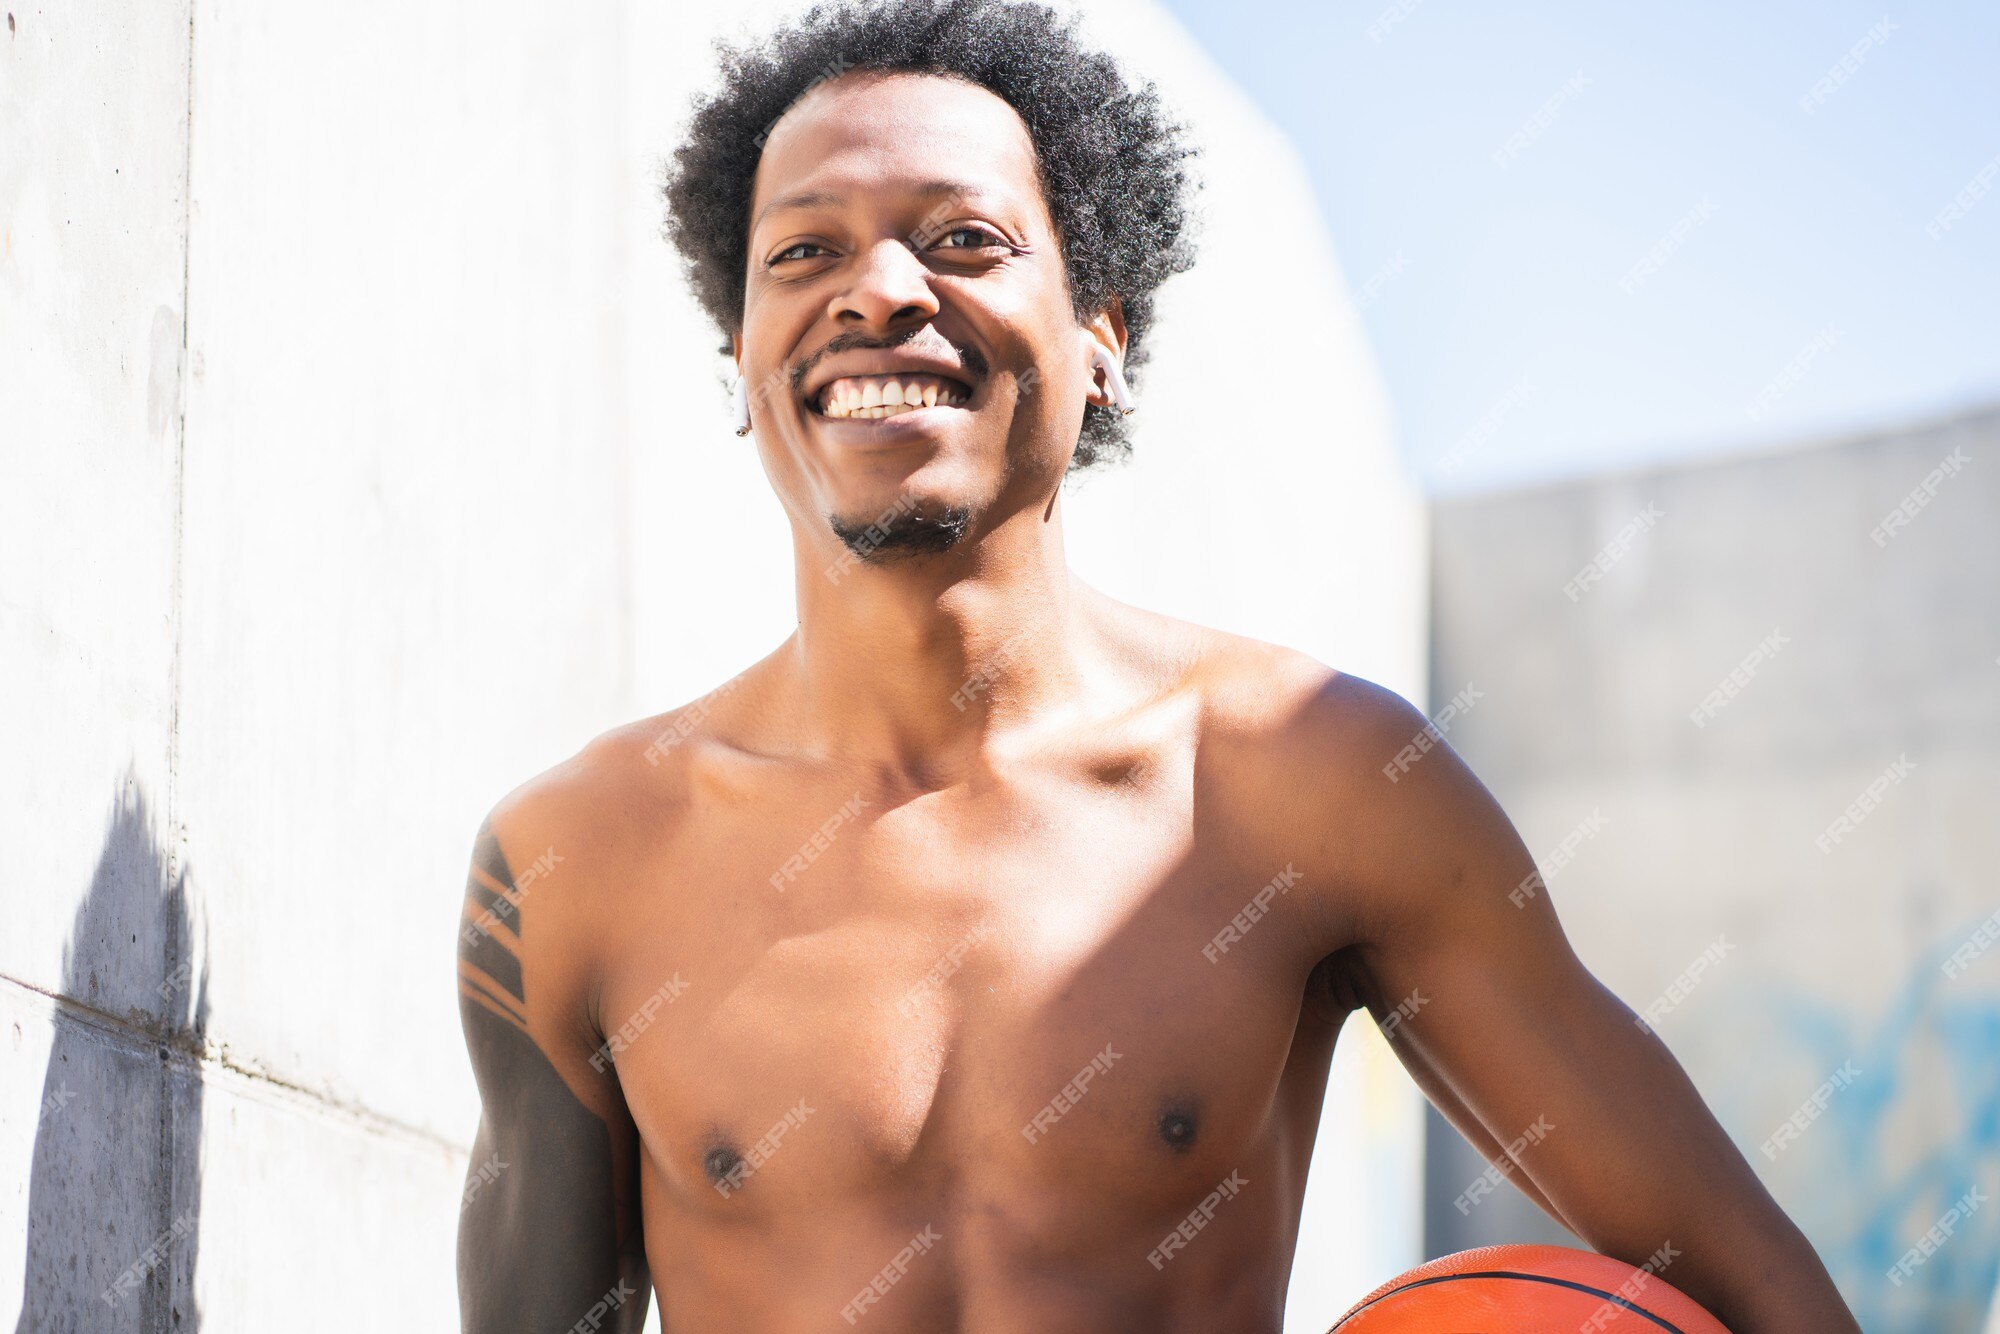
114,1185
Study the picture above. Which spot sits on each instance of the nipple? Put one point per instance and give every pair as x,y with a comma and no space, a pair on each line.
720,1162
1177,1127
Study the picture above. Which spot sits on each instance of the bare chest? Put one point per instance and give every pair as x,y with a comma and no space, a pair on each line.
1013,996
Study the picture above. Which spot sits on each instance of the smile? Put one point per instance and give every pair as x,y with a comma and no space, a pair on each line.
874,397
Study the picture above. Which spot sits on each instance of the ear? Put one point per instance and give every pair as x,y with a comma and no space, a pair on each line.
736,351
1106,329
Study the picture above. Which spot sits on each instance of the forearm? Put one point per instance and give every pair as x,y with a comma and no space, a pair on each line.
1779,1287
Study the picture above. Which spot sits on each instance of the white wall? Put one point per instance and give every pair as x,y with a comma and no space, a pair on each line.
355,438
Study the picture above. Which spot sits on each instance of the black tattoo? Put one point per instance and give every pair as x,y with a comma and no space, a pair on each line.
551,1237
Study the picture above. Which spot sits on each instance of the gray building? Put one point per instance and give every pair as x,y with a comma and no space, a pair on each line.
1746,715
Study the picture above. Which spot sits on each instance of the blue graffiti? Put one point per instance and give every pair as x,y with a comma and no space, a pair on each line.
1889,1153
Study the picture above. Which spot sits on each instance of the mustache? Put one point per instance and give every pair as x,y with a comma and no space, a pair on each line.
968,358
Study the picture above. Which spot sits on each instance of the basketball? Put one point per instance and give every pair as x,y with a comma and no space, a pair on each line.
1527,1290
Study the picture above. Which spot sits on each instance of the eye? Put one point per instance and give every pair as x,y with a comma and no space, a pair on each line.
791,252
982,239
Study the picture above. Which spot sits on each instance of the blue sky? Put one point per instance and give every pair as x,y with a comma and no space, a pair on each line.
1495,178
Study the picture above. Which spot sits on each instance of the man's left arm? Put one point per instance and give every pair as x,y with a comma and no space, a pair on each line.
1591,1108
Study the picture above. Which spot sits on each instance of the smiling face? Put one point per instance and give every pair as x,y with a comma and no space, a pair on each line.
908,339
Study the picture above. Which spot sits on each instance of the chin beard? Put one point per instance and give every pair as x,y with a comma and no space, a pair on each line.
902,532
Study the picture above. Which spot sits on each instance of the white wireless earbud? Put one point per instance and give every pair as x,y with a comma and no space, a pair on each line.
1114,378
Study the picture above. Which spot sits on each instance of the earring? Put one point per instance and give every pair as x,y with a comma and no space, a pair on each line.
739,405
1121,393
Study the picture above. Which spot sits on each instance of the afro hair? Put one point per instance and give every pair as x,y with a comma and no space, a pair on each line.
1114,165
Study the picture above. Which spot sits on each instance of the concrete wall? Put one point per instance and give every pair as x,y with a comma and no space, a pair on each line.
355,435
1757,659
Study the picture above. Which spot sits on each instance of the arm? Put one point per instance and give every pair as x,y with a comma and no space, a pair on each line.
549,1230
1521,1046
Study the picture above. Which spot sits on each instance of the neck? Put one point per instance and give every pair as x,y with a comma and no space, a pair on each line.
916,665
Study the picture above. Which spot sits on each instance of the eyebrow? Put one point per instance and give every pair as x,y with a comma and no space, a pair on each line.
823,198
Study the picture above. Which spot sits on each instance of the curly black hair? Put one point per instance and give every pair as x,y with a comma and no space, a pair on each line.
1113,163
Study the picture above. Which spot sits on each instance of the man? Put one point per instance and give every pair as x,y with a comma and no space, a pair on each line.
974,960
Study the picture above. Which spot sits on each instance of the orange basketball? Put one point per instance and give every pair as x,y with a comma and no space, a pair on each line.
1527,1290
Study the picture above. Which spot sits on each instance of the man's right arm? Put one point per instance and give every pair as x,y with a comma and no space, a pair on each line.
549,1237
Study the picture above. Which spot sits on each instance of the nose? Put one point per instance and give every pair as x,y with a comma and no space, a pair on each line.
887,285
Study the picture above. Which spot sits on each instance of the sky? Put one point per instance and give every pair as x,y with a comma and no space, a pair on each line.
1589,237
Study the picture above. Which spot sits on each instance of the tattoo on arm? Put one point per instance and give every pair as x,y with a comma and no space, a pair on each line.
549,1235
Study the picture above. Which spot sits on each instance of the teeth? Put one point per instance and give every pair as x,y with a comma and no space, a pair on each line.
880,396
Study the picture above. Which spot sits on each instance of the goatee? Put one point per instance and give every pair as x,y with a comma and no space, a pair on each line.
904,531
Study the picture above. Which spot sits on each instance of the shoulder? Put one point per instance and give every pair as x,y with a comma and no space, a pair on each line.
1252,692
568,847
557,859
1348,780
634,781
1294,722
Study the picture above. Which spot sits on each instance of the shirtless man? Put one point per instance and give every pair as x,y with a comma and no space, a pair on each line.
974,960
